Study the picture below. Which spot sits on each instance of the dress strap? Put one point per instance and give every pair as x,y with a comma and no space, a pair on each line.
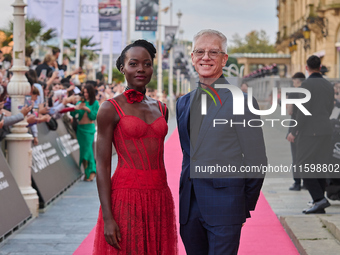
160,107
116,105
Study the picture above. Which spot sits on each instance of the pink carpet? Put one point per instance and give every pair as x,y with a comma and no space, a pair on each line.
262,234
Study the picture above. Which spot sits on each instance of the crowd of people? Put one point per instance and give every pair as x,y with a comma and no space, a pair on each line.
57,93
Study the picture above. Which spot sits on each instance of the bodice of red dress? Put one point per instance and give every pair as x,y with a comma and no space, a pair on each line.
140,150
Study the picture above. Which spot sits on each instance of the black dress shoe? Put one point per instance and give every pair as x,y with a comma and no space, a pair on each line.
320,211
318,207
295,187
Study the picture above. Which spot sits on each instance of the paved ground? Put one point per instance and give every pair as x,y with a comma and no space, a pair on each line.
311,234
66,222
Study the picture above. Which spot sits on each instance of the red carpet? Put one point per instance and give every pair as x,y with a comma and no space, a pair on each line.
262,234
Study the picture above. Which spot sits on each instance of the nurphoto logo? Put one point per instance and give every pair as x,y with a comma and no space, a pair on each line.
238,100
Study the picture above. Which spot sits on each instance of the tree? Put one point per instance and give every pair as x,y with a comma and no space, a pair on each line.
117,76
254,42
34,34
85,51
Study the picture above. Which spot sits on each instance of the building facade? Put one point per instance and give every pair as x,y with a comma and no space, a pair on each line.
310,27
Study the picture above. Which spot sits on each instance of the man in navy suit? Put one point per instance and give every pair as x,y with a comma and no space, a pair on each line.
213,209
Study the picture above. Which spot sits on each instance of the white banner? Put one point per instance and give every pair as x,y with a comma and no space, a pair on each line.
124,26
116,44
71,18
48,11
90,21
119,37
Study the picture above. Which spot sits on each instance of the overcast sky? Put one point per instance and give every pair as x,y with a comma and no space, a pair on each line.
227,16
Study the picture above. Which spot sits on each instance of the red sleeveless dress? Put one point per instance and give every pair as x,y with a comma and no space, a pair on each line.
142,204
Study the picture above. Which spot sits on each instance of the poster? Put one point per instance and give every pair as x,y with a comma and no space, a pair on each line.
146,15
170,32
110,15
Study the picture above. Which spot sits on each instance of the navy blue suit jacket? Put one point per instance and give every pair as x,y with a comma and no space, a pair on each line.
222,201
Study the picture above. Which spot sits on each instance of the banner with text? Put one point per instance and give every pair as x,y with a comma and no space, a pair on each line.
146,15
48,11
89,22
13,208
116,43
53,167
71,16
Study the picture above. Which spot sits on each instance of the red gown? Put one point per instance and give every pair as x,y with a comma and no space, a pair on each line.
142,204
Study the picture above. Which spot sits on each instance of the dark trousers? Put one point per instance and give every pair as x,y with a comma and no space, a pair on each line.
313,150
296,176
199,238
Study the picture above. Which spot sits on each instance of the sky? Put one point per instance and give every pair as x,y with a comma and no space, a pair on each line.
227,16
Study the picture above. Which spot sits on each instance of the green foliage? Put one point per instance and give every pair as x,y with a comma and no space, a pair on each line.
34,34
117,76
85,43
231,60
153,82
254,42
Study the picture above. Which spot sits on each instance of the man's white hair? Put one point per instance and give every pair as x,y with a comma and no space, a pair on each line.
212,32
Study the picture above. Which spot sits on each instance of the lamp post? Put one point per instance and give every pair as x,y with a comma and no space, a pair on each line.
171,70
178,82
306,35
179,15
19,141
178,72
182,84
159,57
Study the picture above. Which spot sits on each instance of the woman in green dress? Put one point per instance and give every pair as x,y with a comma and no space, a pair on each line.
86,113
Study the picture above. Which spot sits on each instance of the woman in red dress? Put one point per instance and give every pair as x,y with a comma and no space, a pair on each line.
137,208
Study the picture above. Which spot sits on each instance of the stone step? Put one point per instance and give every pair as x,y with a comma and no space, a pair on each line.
314,234
332,223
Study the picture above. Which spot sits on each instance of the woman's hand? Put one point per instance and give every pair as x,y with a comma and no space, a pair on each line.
79,106
112,233
26,109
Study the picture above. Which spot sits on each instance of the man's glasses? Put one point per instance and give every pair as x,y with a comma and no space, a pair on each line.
199,53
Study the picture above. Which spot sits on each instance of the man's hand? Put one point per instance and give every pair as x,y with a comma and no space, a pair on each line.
112,234
290,138
2,123
45,118
71,87
26,109
76,71
35,141
43,109
54,75
31,119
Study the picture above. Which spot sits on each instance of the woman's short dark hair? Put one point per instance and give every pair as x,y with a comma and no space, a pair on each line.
92,93
36,62
33,75
29,79
299,76
139,43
